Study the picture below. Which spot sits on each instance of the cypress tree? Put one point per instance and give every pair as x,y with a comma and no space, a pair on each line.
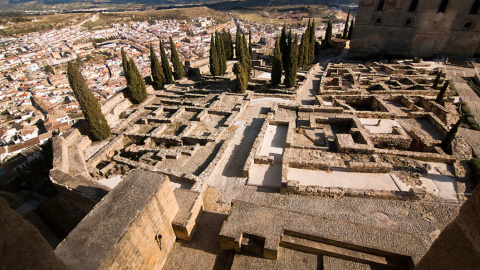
312,43
227,44
222,59
302,53
291,74
250,50
242,81
350,31
437,80
286,54
230,45
125,64
214,65
156,69
345,30
247,59
136,86
242,68
167,71
328,34
97,124
283,44
441,95
307,40
177,64
277,64
238,36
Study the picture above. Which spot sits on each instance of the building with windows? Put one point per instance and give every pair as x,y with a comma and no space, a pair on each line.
422,28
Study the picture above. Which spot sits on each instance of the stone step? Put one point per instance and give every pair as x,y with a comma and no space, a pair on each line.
345,253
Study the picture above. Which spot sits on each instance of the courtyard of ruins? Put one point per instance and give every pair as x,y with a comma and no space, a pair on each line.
356,146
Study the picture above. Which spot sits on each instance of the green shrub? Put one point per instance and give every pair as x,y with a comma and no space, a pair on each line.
466,110
475,164
472,121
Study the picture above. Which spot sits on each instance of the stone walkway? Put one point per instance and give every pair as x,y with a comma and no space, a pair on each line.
469,96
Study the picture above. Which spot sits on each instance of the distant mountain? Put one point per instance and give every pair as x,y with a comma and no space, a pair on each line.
235,4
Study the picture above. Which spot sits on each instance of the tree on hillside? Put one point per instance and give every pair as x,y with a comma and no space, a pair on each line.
303,52
350,31
238,36
156,69
312,43
125,64
49,69
277,64
242,68
227,44
136,86
222,59
167,71
287,53
250,48
328,33
242,80
177,64
97,124
283,43
247,59
214,65
291,74
345,30
136,89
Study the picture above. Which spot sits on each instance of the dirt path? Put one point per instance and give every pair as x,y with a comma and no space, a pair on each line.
307,95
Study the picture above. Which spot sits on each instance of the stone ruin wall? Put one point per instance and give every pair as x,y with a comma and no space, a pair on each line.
131,228
139,248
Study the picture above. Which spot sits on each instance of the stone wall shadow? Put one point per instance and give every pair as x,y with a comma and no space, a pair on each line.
240,153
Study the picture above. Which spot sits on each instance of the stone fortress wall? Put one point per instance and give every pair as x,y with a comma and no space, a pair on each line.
420,28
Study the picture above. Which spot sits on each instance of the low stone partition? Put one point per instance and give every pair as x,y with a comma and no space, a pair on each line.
126,123
300,159
438,110
190,206
347,144
398,139
369,167
429,157
131,228
405,101
293,187
117,143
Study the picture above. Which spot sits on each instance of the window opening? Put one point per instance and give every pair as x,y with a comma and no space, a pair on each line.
443,6
413,6
475,7
381,4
